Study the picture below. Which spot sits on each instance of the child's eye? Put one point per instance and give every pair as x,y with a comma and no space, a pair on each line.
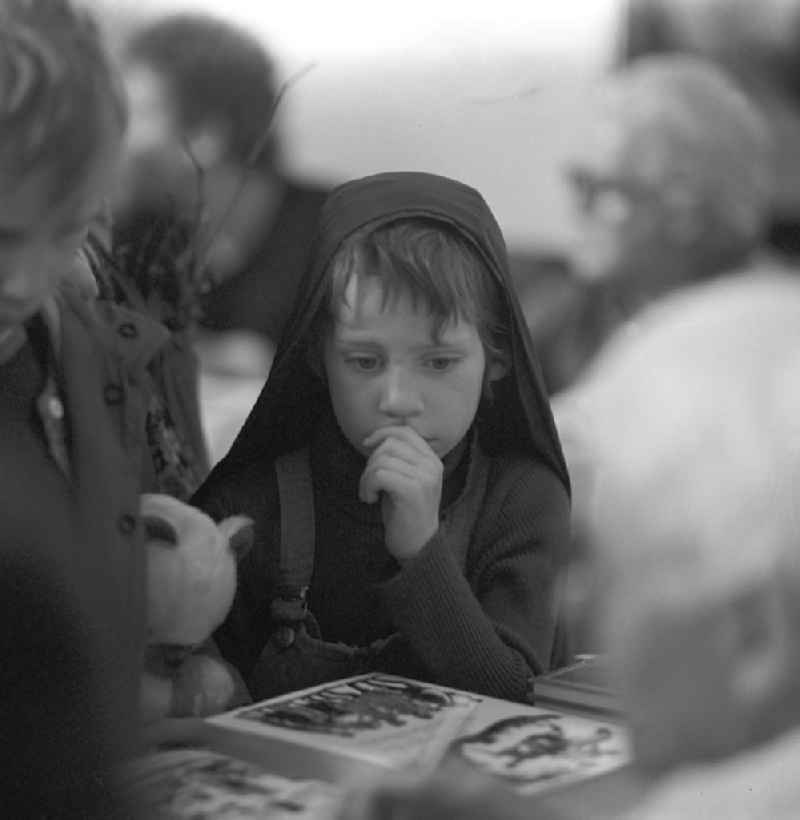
364,364
441,363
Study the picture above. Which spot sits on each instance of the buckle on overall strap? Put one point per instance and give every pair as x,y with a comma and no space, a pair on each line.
283,637
288,612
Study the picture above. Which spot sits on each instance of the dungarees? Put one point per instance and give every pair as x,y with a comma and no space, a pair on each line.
295,655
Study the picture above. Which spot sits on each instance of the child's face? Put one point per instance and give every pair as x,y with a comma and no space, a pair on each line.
38,239
384,367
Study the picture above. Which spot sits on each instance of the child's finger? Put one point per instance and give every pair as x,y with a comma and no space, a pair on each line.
402,450
425,470
390,475
401,433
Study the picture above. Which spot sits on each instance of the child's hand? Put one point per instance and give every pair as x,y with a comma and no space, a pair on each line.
406,475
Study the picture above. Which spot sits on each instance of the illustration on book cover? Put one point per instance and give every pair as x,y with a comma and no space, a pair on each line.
386,719
532,751
201,784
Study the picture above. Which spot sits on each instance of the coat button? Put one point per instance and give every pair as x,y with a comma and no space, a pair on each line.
55,407
126,524
113,394
128,330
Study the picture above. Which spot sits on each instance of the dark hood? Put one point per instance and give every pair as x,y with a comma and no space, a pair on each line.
519,417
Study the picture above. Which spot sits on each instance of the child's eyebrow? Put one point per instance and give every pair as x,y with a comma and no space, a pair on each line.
357,344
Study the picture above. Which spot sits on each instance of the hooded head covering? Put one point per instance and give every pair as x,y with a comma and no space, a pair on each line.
282,420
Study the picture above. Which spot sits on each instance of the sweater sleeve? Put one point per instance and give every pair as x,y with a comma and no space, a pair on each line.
490,630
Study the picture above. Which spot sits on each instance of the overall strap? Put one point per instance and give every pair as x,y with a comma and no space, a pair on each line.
296,496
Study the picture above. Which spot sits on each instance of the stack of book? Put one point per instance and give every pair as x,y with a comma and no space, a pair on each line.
584,686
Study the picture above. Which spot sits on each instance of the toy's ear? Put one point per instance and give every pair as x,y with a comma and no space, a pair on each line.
159,529
238,531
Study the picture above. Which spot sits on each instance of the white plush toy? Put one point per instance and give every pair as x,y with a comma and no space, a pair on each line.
191,583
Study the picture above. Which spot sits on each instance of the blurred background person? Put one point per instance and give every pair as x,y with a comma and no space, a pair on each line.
202,93
760,47
204,193
672,185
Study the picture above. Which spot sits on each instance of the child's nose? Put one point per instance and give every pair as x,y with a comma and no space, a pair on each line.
399,396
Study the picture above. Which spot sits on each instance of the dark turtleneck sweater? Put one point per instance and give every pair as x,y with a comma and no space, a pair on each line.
351,561
474,605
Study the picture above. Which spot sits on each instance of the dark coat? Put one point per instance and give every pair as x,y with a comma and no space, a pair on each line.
104,370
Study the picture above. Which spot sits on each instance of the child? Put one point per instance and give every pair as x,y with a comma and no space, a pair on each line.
672,185
435,488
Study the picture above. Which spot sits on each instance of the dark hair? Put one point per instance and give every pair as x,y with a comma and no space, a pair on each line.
59,92
217,73
433,264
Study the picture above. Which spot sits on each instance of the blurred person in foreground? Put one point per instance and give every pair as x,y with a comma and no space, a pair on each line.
689,429
672,185
71,407
692,433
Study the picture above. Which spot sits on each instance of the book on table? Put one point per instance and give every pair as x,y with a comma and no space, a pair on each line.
311,744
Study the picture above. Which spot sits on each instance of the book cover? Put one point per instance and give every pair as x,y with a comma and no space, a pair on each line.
534,749
384,719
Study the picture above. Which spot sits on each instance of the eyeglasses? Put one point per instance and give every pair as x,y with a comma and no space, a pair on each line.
610,199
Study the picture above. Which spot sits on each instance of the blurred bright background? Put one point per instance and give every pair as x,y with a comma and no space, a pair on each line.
490,92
